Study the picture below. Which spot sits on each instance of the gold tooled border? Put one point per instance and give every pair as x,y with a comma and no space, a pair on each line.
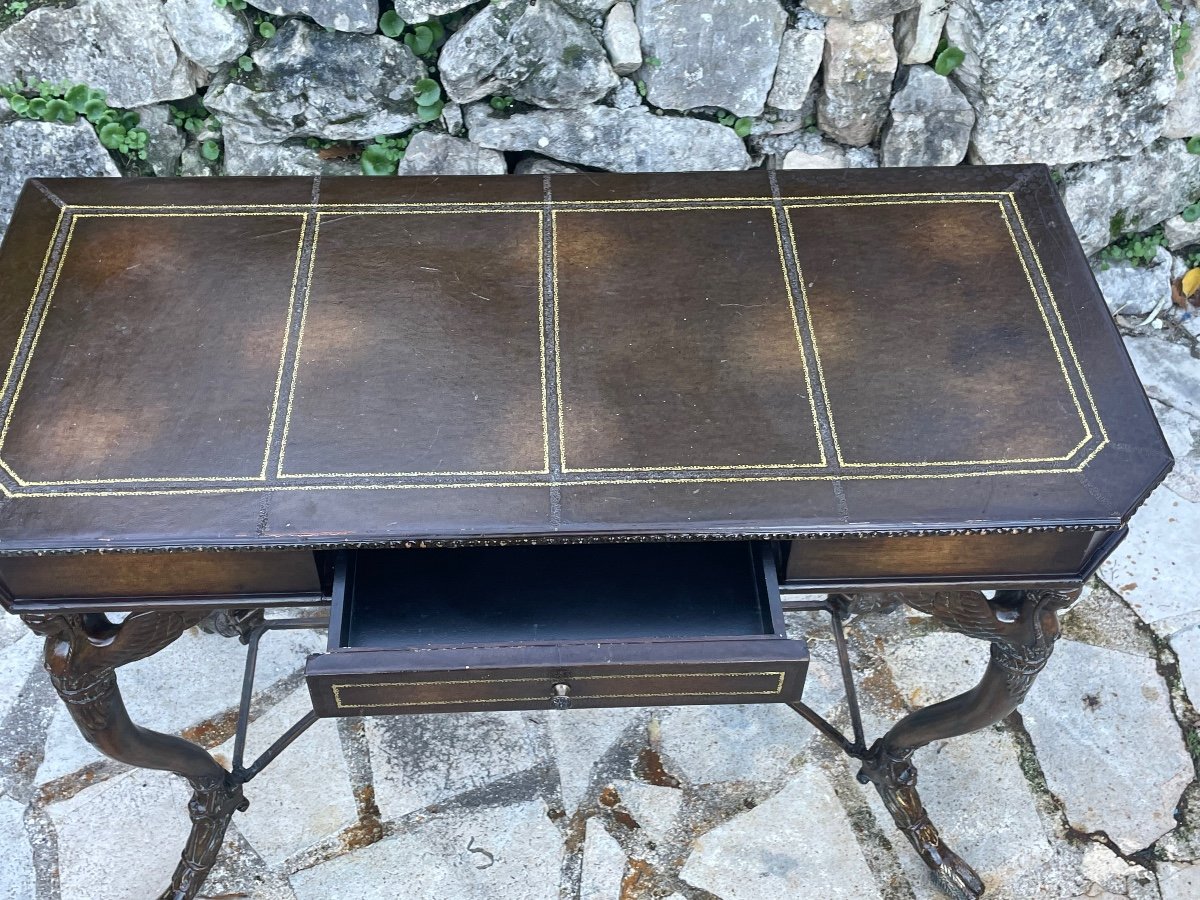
778,689
144,479
650,204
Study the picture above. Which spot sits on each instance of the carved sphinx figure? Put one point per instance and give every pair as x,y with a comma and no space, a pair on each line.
1022,627
82,654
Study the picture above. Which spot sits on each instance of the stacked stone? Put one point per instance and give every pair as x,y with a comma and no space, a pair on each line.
1089,87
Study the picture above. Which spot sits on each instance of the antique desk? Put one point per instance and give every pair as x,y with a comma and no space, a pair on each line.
543,443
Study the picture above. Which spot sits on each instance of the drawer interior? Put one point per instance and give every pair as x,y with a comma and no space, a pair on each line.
560,593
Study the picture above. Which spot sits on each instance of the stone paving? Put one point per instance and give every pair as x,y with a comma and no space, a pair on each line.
1088,791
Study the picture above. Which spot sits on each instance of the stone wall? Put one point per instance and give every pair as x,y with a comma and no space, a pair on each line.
1107,92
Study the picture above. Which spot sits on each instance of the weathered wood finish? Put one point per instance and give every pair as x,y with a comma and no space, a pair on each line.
132,576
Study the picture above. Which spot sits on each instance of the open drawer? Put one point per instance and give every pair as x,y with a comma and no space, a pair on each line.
438,630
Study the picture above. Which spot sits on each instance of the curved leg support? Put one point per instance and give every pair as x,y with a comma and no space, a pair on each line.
82,654
1022,627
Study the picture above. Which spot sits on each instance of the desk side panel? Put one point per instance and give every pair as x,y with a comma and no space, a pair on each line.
185,574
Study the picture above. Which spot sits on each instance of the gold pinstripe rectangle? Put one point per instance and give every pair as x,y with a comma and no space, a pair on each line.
720,474
778,689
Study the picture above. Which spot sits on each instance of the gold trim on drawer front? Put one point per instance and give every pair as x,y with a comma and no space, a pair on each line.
778,689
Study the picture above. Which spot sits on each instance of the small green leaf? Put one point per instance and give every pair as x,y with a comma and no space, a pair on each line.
641,87
419,40
130,119
391,24
436,29
210,150
245,63
431,112
1193,144
653,61
59,111
266,29
742,126
37,108
78,97
18,104
427,92
376,160
948,60
111,135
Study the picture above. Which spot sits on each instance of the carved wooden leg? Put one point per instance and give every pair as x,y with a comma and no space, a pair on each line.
82,654
1022,627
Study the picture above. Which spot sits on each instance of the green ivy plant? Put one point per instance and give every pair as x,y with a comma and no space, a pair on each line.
741,127
428,94
1181,45
391,24
1193,144
1192,212
239,5
210,150
42,100
193,117
383,156
1137,249
948,58
501,103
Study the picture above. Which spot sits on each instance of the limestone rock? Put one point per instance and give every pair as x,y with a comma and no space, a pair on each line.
165,143
340,15
778,849
620,140
815,152
422,10
1062,82
860,61
516,852
1142,190
710,52
919,30
626,96
17,877
538,53
1092,716
603,864
930,122
799,58
539,165
118,46
859,10
431,153
1137,290
622,39
1180,233
589,10
243,157
1183,112
205,33
31,149
314,83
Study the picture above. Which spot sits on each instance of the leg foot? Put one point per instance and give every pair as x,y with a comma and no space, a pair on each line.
1022,627
214,801
896,781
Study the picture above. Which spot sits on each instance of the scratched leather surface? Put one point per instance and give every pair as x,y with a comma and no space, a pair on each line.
209,363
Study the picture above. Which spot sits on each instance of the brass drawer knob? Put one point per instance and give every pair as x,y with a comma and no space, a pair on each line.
562,696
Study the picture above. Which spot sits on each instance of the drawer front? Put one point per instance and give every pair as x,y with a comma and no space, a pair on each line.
362,682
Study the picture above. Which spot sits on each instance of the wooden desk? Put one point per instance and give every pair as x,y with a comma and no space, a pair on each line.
640,414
